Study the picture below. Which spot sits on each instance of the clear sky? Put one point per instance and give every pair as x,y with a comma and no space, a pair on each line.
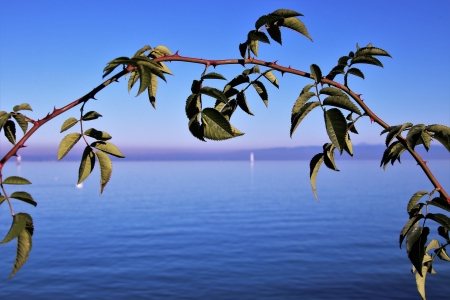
53,52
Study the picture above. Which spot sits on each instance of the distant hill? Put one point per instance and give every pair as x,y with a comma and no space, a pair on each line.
361,152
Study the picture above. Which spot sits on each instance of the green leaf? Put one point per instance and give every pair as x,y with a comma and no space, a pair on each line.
242,102
253,70
215,93
328,156
371,51
216,126
23,196
306,88
297,25
196,128
149,65
67,143
356,72
24,244
343,60
17,226
152,87
253,45
316,73
444,233
120,60
286,13
144,78
440,202
342,102
3,119
414,135
366,60
415,246
301,100
108,148
394,131
314,166
433,244
163,49
2,199
301,114
105,169
70,122
441,219
426,140
235,82
414,199
352,128
261,90
339,69
213,75
275,33
108,69
420,281
348,145
10,131
193,105
258,36
243,49
411,222
141,51
23,106
229,109
20,119
15,180
134,76
441,133
91,115
336,126
86,165
392,153
98,135
267,19
269,76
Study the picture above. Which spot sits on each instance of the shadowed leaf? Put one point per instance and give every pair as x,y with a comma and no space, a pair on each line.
336,126
314,166
216,126
441,133
67,143
242,102
134,76
70,122
105,169
267,19
415,246
10,131
253,45
286,13
269,76
86,165
108,148
235,82
301,114
275,33
151,89
91,115
23,196
414,199
261,90
196,128
213,75
440,202
144,78
297,25
215,93
371,51
441,219
442,254
348,145
99,135
414,135
20,119
366,60
328,156
24,244
411,222
316,73
356,72
258,36
243,49
342,102
17,226
193,105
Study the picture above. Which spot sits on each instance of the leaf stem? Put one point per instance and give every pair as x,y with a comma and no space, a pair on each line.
8,200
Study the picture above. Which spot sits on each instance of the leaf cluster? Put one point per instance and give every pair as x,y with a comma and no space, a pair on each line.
8,125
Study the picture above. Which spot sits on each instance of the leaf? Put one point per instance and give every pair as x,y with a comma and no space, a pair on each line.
336,126
316,73
269,76
17,226
441,133
163,49
24,244
195,128
134,76
141,51
301,100
215,93
229,109
286,13
148,64
2,198
216,126
415,246
254,35
213,75
343,60
144,78
91,115
420,281
235,82
3,119
275,33
297,25
16,180
243,49
328,156
414,199
70,122
434,244
306,88
23,196
442,254
242,102
366,60
253,45
266,19
411,222
109,68
444,233
86,165
67,143
356,72
23,106
20,119
105,169
120,60
392,153
440,202
441,219
371,51
352,128
261,90
253,70
10,131
99,135
348,145
193,105
108,148
314,166
342,102
339,69
426,139
301,114
414,135
151,89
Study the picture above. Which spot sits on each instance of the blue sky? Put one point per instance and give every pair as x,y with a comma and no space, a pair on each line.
53,52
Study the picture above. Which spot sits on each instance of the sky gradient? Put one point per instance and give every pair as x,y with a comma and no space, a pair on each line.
53,52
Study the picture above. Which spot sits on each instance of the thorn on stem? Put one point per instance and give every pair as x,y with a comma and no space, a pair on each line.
176,54
371,120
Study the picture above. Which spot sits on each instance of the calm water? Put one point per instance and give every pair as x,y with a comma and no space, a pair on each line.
219,230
